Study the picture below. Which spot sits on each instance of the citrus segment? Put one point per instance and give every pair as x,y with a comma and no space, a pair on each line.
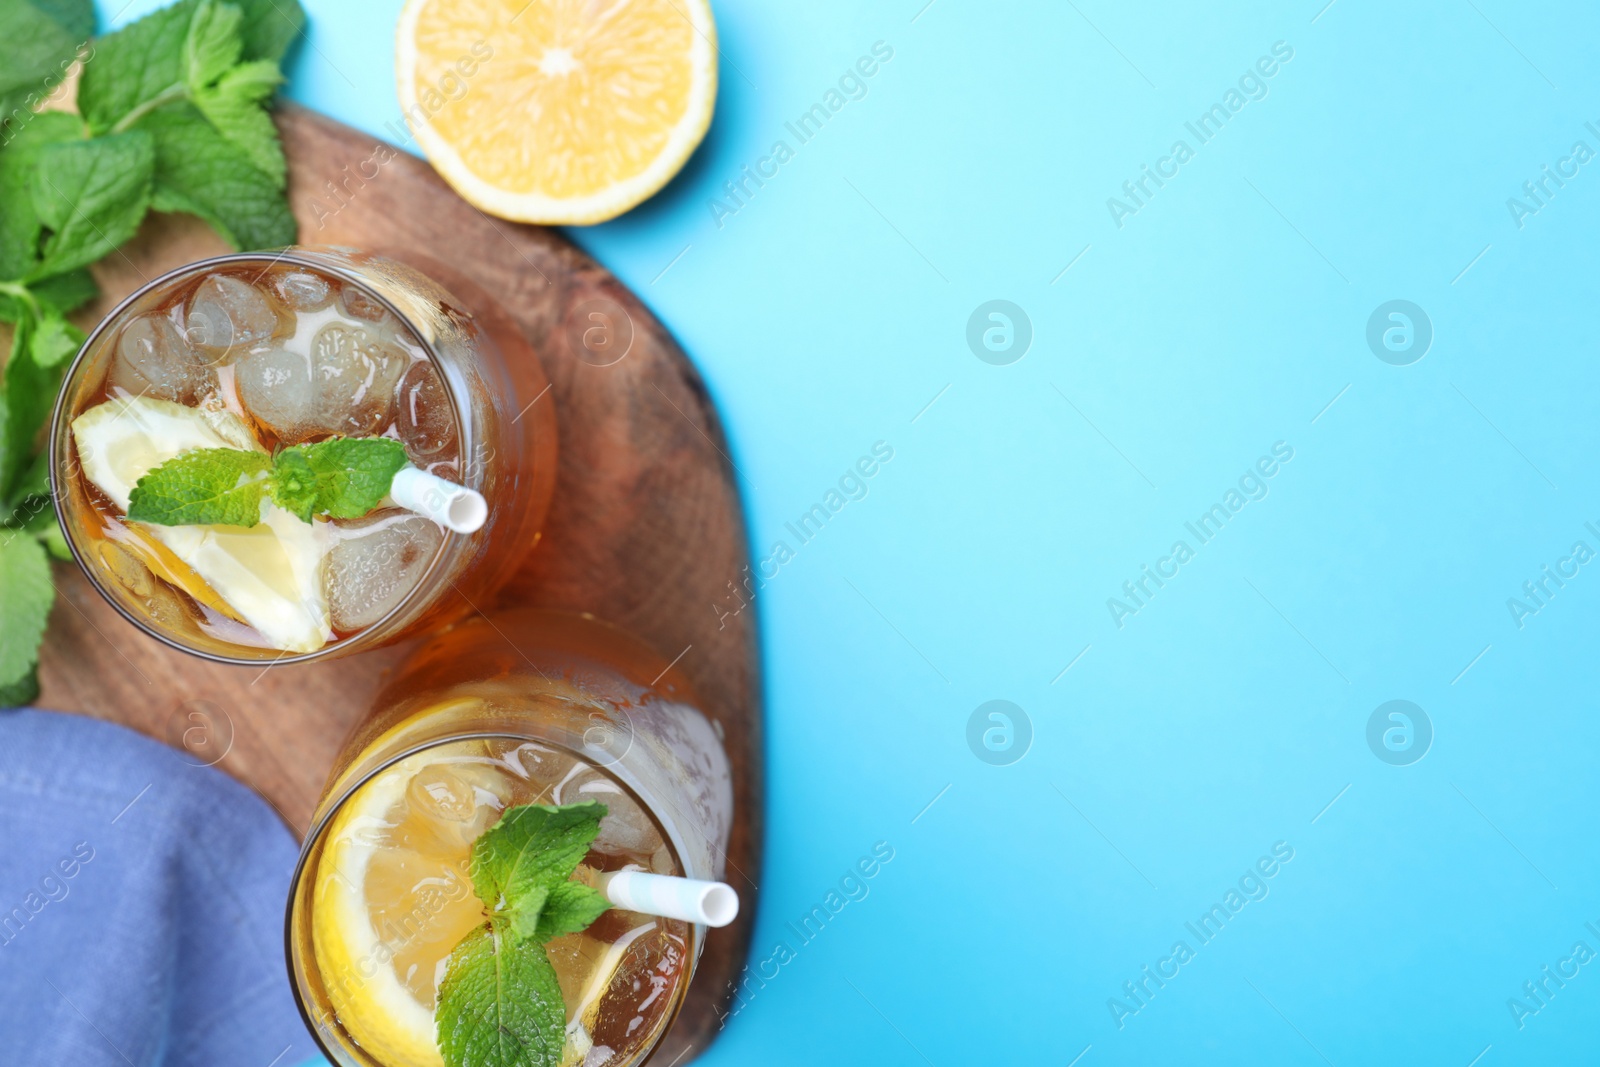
557,111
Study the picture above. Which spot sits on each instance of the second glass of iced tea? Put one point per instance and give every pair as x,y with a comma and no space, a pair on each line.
521,707
265,351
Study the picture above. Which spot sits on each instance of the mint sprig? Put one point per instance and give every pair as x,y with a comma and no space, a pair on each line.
27,594
500,1003
344,477
171,115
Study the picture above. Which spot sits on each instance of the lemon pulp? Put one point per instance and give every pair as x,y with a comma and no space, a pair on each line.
552,111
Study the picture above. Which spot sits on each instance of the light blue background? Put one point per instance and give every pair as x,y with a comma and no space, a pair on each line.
1223,317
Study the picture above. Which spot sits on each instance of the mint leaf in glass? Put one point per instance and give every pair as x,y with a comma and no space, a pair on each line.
533,845
569,909
344,477
500,1004
203,486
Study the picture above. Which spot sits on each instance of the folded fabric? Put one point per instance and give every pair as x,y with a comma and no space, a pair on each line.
141,906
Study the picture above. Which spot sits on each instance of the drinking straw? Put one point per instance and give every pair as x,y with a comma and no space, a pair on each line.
689,899
455,507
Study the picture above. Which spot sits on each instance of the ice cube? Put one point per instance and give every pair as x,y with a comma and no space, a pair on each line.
424,419
276,387
228,315
374,563
542,766
359,305
625,828
440,793
153,360
356,373
302,291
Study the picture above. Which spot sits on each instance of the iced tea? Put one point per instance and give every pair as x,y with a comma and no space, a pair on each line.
266,352
521,708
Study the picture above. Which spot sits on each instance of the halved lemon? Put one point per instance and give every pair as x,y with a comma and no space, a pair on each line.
557,111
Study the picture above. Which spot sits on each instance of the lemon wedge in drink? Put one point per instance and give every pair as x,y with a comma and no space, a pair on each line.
269,575
557,111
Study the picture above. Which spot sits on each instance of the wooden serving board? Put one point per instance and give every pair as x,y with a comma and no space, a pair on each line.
646,528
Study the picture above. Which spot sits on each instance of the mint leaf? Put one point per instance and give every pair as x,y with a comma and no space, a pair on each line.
32,376
57,294
14,409
93,194
27,393
74,16
212,44
26,592
234,106
37,46
20,228
23,691
294,486
139,63
34,482
570,908
204,486
200,172
55,341
500,1004
63,293
532,846
229,95
344,477
521,916
270,27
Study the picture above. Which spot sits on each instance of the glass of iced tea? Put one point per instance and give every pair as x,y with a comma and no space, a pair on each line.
516,708
277,352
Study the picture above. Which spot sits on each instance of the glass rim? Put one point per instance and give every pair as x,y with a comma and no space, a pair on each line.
291,255
315,832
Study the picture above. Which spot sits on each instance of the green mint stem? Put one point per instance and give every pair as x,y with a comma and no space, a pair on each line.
178,91
20,291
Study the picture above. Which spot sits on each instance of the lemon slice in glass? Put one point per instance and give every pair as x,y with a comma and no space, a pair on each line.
269,575
557,111
393,898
